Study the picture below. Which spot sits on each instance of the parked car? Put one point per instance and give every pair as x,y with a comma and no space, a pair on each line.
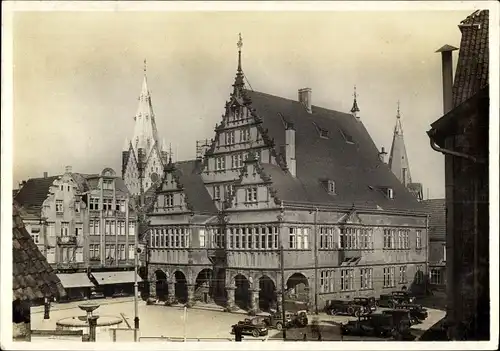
417,312
255,327
381,325
368,302
351,308
120,294
394,299
275,320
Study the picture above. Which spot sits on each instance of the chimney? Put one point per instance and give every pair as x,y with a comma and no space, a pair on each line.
290,149
382,155
305,98
45,174
68,169
447,71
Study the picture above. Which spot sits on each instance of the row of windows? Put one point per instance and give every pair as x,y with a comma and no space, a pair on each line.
244,136
177,237
111,252
107,204
298,238
237,160
228,191
400,239
258,238
347,278
109,227
60,206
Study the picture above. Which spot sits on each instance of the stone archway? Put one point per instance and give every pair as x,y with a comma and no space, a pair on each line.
204,287
242,292
161,285
181,289
297,287
267,294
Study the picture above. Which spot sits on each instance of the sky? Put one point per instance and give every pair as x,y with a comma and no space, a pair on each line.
77,77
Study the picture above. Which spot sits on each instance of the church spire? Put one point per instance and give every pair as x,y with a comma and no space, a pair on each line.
145,132
239,81
398,159
355,108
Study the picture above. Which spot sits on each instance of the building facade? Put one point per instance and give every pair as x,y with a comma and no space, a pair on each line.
291,201
143,158
462,135
436,210
83,225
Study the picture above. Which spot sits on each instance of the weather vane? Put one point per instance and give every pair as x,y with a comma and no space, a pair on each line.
398,109
240,42
144,65
355,94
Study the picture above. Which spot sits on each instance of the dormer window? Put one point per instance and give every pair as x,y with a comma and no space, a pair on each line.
331,186
323,133
389,193
348,138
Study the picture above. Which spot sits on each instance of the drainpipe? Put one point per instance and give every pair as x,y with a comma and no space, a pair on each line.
444,151
282,267
316,290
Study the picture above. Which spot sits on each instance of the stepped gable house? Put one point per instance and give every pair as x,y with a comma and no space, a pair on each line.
284,174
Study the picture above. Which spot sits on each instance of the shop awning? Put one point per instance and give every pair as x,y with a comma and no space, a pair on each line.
118,277
75,280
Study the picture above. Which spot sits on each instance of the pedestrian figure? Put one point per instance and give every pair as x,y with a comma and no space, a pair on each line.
305,336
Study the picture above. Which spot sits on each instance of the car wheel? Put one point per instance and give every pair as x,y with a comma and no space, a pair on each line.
357,313
255,333
350,311
279,326
332,312
390,304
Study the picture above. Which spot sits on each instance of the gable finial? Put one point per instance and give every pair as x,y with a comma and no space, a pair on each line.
145,66
170,153
355,108
398,115
239,44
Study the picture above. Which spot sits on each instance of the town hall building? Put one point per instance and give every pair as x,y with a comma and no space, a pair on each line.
290,200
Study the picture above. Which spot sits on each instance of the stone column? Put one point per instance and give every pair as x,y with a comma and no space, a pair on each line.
92,327
254,301
279,301
190,297
171,291
231,305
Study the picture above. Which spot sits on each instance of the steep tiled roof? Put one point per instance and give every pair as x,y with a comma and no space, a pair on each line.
472,68
194,188
354,166
32,276
32,195
436,208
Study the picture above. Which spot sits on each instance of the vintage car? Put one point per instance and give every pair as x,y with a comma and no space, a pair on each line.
348,307
383,325
369,302
275,320
417,312
394,299
255,327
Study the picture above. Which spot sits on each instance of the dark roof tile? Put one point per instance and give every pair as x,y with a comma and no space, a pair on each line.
32,275
355,167
472,70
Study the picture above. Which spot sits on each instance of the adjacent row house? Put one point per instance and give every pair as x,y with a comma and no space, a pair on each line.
84,226
290,201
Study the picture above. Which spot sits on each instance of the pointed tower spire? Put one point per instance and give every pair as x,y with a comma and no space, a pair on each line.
145,132
239,81
355,108
170,154
126,145
398,159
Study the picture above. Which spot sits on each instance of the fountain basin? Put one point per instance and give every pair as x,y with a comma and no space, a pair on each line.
81,322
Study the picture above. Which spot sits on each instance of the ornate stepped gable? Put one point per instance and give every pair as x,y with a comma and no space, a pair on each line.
143,157
252,175
183,182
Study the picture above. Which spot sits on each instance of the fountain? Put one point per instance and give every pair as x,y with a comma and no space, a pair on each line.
90,322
